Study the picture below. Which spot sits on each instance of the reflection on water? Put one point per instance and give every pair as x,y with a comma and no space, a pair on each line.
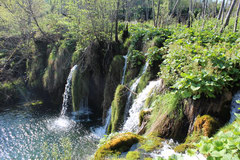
23,135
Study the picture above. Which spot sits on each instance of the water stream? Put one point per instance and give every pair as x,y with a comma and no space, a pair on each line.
131,124
235,106
67,93
124,68
132,91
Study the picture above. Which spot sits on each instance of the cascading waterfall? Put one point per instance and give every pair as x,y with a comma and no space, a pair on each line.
67,92
101,131
235,106
124,69
131,124
132,90
63,122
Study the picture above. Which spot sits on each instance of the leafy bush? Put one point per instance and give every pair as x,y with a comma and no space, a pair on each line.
193,69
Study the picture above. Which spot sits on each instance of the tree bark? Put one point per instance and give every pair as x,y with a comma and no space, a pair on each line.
174,8
153,12
221,10
116,25
190,13
226,21
158,12
237,15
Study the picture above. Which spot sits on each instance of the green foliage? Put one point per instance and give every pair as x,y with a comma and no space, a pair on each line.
201,63
154,54
224,145
140,35
136,58
11,91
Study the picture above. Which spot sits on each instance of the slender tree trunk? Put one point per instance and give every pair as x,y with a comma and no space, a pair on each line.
158,12
237,15
174,8
190,13
116,25
215,9
153,13
221,10
226,21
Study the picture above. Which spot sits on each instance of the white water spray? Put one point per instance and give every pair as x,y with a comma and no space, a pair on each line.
124,69
167,150
235,106
101,131
133,90
63,123
67,92
132,122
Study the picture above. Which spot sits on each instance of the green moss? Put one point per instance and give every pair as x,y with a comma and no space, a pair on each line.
118,107
116,145
133,155
142,114
150,99
80,90
183,147
151,143
205,125
148,158
113,79
131,74
164,104
143,81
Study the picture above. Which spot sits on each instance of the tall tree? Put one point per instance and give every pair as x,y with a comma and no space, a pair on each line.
226,21
221,10
237,15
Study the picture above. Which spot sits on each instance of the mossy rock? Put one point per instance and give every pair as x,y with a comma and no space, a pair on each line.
144,81
113,79
166,120
183,147
80,90
142,115
151,143
205,125
133,155
131,73
116,145
118,108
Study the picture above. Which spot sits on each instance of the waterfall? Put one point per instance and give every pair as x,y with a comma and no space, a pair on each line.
132,90
131,124
101,131
124,69
67,92
235,106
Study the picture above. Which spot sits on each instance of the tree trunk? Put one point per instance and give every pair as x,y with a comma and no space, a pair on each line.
153,12
215,9
190,13
174,8
221,10
237,14
116,25
158,11
228,16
